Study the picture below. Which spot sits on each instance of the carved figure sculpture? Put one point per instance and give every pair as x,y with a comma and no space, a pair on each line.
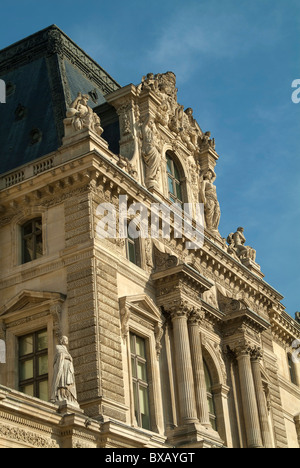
237,242
63,385
150,152
82,116
208,195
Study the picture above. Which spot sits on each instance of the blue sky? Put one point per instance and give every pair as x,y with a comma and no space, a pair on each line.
235,61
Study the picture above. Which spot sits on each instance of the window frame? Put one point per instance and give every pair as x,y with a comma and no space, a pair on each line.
140,316
26,313
136,244
34,356
34,233
139,382
210,397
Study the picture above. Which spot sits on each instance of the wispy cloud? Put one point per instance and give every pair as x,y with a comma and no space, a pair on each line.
208,31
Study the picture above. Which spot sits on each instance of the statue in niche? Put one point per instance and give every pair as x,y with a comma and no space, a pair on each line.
237,241
150,152
63,385
208,196
80,115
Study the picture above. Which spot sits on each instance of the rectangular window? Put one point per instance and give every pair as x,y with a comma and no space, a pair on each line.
33,364
133,250
140,381
32,240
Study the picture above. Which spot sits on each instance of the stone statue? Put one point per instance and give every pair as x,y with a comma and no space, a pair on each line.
208,196
80,115
206,141
150,152
237,241
63,385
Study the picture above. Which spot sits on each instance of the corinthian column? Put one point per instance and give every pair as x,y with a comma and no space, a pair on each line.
194,320
256,356
183,362
250,410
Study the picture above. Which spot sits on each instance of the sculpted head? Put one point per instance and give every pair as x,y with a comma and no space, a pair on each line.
64,341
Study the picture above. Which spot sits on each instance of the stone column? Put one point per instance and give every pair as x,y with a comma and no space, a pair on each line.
256,356
194,320
250,410
184,370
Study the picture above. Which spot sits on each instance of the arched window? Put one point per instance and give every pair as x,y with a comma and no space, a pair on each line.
174,181
32,240
210,398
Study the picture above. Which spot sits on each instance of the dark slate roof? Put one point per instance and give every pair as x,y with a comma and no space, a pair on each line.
43,74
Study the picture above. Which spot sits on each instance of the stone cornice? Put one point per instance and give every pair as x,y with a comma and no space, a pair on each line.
58,175
284,327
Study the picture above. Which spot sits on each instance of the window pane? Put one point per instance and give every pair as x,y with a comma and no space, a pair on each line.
140,347
136,406
42,340
43,390
26,370
141,371
132,343
170,184
27,229
39,246
178,192
28,389
131,251
176,173
43,365
213,423
144,407
28,253
169,165
25,345
133,367
210,405
38,226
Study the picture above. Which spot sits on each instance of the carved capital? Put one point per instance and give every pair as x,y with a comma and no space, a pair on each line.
245,348
195,316
256,353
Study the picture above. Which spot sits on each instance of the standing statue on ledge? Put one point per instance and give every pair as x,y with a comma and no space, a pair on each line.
63,385
208,196
150,153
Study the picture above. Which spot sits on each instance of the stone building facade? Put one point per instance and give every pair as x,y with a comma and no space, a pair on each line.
174,337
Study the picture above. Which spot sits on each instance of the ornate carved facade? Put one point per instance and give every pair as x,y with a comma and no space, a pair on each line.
168,345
